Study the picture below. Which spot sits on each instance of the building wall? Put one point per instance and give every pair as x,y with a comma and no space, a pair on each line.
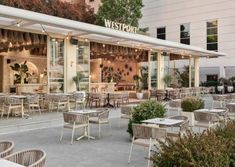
172,13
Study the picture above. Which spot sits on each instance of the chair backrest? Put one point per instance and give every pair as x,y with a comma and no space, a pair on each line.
29,158
13,101
6,148
2,100
79,96
60,98
153,92
104,115
179,117
31,99
206,116
160,91
175,103
70,117
147,132
184,125
127,110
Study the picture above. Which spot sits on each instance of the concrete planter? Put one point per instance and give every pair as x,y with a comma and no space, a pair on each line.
190,116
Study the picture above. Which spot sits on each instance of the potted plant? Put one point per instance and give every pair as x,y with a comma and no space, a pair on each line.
138,86
190,104
230,85
167,79
77,79
22,72
146,110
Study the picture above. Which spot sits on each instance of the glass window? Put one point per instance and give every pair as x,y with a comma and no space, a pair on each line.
185,33
83,67
212,35
56,66
153,69
161,33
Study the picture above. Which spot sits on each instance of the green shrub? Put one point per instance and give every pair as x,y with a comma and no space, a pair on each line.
190,104
193,150
146,110
227,131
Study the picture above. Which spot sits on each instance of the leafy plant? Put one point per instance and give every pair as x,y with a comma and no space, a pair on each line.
146,110
138,83
167,80
77,79
190,104
183,77
192,150
227,131
223,81
21,72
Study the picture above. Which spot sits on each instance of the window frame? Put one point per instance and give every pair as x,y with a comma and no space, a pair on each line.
161,34
213,44
183,31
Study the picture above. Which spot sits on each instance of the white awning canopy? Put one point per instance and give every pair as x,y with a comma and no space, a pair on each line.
60,27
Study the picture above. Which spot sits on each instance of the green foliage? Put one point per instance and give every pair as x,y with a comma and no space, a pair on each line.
21,72
193,150
210,83
146,110
79,10
223,81
122,11
227,131
77,79
167,80
190,104
183,77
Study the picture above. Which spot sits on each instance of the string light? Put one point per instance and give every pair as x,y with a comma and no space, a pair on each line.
18,24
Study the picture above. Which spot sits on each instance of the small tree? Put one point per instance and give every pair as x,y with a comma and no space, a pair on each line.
167,80
77,79
122,11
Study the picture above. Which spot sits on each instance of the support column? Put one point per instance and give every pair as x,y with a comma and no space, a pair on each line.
70,66
160,70
196,72
190,72
149,70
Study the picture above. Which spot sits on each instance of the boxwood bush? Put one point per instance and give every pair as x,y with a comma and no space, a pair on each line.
146,110
189,104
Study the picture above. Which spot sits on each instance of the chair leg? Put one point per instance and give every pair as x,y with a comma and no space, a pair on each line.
99,129
62,133
8,112
149,151
129,159
58,105
88,131
72,135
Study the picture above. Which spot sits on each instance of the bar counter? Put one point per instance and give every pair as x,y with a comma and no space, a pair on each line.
31,88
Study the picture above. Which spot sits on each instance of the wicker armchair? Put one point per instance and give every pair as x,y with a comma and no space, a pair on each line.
206,119
61,100
175,105
79,98
2,104
145,136
153,94
6,148
32,102
12,103
102,118
28,158
125,97
219,99
74,121
161,94
182,126
174,94
126,113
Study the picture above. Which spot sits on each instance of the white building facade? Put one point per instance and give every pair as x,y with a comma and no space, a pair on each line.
209,24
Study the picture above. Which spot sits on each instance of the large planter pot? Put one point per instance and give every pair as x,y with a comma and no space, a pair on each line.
190,116
139,95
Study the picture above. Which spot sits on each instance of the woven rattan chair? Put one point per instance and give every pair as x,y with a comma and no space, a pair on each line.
145,136
32,102
95,98
79,98
6,148
224,116
185,92
61,100
206,119
75,121
174,93
231,107
2,104
12,103
218,99
161,94
102,118
125,97
28,158
126,113
175,105
48,101
153,94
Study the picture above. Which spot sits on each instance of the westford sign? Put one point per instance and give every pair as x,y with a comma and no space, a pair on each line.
120,26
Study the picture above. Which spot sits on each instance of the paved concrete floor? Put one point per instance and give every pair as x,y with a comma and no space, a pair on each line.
111,150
